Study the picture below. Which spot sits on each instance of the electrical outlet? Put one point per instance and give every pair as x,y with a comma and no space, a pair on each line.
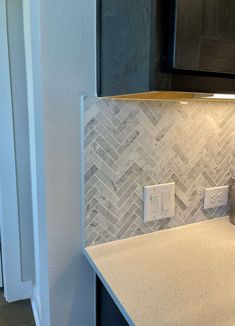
215,197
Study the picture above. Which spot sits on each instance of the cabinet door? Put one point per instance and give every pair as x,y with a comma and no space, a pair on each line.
107,312
165,45
205,36
124,46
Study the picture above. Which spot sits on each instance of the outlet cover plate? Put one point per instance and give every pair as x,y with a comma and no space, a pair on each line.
215,197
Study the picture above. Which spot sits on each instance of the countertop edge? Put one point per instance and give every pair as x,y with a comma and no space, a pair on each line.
106,285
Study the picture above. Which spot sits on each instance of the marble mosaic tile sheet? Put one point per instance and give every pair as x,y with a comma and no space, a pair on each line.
129,144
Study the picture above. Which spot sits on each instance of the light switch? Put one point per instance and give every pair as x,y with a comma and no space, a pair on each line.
165,201
155,203
159,201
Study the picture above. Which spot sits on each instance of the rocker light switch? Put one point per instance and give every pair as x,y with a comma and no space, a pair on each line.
165,201
155,203
159,201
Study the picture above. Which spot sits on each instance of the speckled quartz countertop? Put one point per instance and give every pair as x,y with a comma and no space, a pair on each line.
178,277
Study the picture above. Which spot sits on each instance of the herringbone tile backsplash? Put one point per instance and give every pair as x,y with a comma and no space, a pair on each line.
129,144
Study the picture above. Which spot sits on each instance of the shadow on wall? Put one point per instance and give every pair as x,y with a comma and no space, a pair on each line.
74,315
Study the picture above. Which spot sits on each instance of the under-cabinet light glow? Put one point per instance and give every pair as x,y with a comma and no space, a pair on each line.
183,102
222,96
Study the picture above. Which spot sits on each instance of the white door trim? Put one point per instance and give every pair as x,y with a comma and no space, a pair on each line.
14,288
1,282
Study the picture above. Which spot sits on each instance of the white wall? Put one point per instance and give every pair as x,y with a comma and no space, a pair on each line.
68,71
60,70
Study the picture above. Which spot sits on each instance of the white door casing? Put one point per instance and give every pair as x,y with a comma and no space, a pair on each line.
1,281
14,287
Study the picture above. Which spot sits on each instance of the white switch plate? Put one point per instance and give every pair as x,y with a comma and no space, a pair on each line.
159,201
215,197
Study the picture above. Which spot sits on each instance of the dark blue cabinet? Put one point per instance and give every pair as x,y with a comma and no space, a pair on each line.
108,313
